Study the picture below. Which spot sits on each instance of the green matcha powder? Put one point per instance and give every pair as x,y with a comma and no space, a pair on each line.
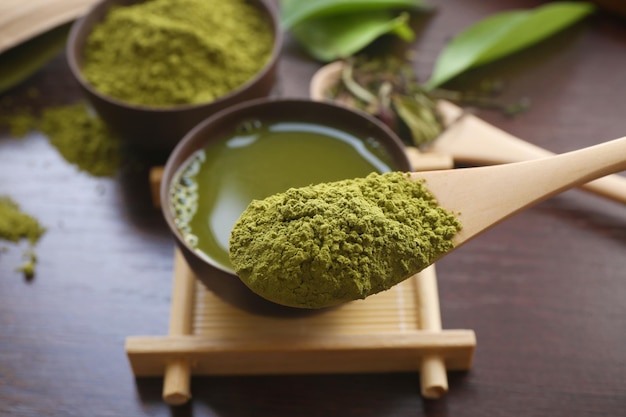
170,52
80,137
330,243
77,133
16,225
83,139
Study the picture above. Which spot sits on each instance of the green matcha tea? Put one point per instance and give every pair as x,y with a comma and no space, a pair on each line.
216,184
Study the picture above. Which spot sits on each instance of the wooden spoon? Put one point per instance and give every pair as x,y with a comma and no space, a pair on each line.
471,140
484,196
479,197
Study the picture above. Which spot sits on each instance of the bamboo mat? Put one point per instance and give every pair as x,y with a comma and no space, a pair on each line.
391,311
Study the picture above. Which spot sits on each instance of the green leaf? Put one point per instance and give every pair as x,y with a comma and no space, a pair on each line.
503,34
334,37
294,12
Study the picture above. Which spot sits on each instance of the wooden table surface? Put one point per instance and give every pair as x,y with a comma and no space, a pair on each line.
544,291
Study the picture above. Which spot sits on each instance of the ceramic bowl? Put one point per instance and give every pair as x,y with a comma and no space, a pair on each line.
328,76
219,279
161,128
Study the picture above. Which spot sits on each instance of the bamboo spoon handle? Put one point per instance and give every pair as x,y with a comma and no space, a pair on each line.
471,140
485,196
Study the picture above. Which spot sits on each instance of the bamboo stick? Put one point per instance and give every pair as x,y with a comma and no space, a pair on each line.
176,383
434,380
156,175
276,355
433,377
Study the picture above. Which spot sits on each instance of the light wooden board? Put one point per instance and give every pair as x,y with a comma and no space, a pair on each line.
21,20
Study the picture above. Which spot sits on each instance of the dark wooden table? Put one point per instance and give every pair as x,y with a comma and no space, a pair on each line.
545,291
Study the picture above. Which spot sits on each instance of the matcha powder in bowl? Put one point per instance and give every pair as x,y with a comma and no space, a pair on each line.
162,53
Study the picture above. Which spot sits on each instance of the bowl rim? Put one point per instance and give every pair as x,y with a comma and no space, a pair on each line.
172,165
73,52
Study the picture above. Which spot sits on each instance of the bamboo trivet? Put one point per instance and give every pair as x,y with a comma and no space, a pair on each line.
397,330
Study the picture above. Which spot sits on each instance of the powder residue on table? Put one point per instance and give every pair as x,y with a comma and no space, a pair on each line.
16,225
19,122
82,138
330,243
165,52
77,133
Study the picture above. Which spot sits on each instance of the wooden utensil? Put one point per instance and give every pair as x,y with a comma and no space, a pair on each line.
22,20
471,140
479,197
485,196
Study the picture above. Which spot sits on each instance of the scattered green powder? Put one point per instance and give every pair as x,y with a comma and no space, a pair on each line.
15,226
82,139
330,243
170,52
78,134
28,267
19,122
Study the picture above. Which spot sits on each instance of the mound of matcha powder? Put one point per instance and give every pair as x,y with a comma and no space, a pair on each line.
169,52
330,243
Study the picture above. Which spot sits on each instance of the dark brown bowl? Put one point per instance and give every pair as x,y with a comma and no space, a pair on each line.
157,128
222,281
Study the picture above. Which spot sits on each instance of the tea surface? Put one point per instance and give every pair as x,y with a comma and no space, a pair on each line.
216,184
